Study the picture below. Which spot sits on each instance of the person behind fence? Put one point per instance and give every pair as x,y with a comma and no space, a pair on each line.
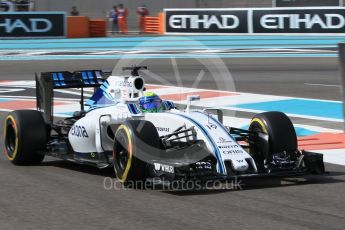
23,5
6,6
113,18
74,11
142,13
122,16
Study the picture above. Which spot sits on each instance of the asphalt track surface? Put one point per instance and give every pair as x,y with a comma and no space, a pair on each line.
276,76
60,195
317,77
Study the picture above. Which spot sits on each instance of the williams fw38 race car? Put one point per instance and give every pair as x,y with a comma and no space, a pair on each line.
145,138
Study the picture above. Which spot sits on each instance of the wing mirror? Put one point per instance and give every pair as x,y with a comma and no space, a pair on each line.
191,98
217,112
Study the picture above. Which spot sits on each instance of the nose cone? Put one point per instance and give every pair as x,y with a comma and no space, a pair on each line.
239,165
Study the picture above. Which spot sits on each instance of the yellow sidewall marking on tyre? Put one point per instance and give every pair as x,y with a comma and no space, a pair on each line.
261,123
123,178
13,121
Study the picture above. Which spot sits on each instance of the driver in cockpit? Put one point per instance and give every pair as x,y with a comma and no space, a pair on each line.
152,103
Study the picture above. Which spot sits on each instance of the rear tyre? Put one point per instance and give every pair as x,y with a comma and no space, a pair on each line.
280,132
25,137
136,141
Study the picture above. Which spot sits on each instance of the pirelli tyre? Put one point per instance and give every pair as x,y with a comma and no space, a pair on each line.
25,137
136,141
276,134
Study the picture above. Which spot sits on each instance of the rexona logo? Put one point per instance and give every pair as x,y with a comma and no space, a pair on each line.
162,129
207,21
35,25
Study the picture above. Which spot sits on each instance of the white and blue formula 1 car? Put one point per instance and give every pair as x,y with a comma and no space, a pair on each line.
170,144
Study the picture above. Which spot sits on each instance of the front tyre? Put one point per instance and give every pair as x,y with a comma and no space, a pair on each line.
25,137
136,142
280,133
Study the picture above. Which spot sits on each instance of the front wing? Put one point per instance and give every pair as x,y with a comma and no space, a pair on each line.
166,171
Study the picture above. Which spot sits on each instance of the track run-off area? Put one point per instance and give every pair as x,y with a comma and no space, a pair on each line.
171,46
298,75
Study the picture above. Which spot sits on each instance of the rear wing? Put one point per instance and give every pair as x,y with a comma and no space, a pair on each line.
46,82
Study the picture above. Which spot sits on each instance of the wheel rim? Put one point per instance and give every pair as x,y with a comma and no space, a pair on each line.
121,153
257,128
123,159
10,140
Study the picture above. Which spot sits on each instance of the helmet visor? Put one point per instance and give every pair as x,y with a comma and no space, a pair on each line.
155,104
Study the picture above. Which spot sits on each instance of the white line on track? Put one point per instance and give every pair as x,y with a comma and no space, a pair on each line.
325,85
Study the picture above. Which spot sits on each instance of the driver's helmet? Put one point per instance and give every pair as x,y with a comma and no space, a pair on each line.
150,103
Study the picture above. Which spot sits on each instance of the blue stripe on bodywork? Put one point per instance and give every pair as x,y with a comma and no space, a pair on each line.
105,93
61,78
90,75
56,79
136,109
214,146
93,107
131,109
106,83
85,79
169,105
83,74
